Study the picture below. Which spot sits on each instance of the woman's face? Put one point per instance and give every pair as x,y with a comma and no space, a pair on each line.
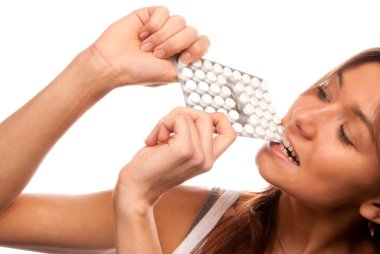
331,128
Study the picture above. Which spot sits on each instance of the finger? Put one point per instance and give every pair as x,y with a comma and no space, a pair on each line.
153,19
177,43
204,127
198,49
152,138
225,134
163,134
172,26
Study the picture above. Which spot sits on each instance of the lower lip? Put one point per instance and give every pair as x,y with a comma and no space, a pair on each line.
276,150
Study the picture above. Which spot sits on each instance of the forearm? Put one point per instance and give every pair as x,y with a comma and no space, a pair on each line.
28,134
135,227
60,224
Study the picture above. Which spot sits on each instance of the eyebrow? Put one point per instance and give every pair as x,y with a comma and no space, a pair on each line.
362,117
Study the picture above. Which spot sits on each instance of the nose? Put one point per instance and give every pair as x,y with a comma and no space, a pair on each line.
306,121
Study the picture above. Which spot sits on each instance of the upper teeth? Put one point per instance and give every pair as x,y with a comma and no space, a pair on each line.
286,146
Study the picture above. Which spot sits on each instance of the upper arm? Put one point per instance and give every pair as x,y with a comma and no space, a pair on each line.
175,212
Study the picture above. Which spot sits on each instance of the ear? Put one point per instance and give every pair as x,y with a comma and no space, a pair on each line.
371,210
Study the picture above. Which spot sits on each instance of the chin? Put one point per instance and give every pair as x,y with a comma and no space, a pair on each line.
263,163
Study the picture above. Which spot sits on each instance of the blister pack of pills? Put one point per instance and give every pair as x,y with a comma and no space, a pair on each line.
244,98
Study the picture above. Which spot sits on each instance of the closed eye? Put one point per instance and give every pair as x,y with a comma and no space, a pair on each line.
343,136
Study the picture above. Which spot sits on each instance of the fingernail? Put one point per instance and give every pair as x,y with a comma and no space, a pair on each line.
160,53
185,57
147,46
144,34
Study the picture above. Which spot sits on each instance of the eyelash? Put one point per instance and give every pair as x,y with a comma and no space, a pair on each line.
341,133
322,94
343,137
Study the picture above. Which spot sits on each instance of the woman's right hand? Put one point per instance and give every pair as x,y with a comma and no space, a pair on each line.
182,145
137,48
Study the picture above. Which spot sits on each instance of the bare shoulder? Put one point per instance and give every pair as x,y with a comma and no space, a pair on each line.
175,212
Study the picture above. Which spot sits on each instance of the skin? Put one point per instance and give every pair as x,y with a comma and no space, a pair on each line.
326,198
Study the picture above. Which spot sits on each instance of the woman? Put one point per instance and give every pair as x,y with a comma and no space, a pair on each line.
326,199
321,203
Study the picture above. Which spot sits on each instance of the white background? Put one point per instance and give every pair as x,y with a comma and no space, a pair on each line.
289,43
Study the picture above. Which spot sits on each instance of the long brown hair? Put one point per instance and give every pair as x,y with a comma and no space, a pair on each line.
249,226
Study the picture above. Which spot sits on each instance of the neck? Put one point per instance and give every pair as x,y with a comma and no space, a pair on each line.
302,229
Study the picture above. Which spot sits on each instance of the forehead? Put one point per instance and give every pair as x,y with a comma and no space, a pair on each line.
361,86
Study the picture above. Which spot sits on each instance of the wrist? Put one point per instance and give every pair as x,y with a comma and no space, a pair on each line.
129,203
92,72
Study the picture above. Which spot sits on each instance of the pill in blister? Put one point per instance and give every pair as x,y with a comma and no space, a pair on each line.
264,123
214,89
244,98
186,74
250,91
236,76
234,115
254,120
259,94
209,109
276,119
221,80
269,133
229,103
263,105
190,86
255,82
239,88
206,100
210,77
254,101
267,116
225,92
245,79
217,68
259,112
273,126
196,65
260,131
202,87
222,110
193,99
218,101
199,75
207,65
237,127
248,129
227,72
271,109
197,107
248,109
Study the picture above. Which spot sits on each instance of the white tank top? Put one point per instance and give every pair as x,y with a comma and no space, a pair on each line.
208,222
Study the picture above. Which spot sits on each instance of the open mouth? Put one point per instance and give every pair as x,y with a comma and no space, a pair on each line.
288,150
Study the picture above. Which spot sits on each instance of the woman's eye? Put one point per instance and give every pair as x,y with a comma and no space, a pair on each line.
343,137
322,93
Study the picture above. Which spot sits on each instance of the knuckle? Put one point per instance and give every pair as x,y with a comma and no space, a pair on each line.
198,161
192,31
207,164
178,21
153,25
185,153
